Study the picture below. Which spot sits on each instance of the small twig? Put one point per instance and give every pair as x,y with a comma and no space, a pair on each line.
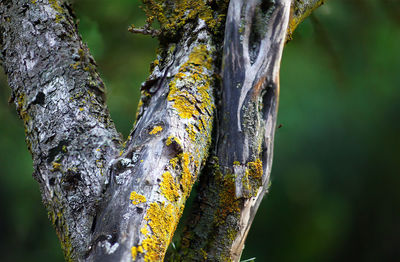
248,260
145,30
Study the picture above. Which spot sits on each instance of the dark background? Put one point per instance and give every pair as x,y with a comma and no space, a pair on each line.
335,192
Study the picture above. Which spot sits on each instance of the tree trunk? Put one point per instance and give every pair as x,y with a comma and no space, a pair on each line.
120,202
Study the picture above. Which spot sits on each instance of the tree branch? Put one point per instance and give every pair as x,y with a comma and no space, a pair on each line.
237,176
60,97
113,203
169,144
299,11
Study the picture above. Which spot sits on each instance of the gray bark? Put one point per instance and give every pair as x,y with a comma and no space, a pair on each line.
60,97
114,202
239,173
146,198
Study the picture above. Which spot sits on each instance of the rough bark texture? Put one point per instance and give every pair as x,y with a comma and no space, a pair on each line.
299,11
237,181
113,202
172,135
236,177
59,96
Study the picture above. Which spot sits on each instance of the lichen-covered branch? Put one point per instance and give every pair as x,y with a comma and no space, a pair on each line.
237,176
299,11
60,97
169,144
113,202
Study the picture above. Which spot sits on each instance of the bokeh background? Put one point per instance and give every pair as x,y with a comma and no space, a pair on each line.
335,192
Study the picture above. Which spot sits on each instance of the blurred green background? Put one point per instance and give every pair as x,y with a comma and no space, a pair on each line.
335,192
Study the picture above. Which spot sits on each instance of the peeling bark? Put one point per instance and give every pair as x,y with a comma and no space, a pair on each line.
114,202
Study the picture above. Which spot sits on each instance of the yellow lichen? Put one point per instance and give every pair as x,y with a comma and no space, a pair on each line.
191,132
135,250
192,72
162,220
62,231
204,254
144,230
156,130
56,166
75,65
139,108
186,179
137,198
174,161
171,139
255,169
228,203
298,12
57,8
169,188
173,15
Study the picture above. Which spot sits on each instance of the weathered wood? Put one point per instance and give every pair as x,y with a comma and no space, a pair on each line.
169,144
155,173
227,203
238,175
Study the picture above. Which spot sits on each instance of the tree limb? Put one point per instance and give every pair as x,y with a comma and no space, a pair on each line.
169,144
299,11
60,97
113,203
237,176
